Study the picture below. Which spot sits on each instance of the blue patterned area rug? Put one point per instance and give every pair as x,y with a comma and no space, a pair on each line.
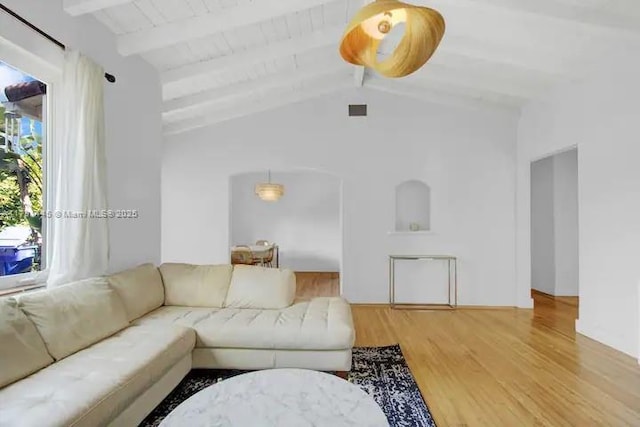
380,371
383,373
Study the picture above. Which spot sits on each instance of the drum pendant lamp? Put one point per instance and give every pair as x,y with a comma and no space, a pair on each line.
424,29
268,191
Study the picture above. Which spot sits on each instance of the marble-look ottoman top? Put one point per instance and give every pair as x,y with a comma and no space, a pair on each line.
279,397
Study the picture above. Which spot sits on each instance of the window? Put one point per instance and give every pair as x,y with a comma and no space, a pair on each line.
23,103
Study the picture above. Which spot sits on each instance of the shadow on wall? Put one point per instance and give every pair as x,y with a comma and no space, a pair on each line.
312,262
305,223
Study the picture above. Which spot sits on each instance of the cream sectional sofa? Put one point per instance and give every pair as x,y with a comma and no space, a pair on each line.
106,351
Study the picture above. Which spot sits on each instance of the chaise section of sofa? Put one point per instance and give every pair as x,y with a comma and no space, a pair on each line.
316,334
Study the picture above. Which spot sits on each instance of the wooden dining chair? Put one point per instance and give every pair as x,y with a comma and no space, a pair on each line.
263,257
267,261
242,255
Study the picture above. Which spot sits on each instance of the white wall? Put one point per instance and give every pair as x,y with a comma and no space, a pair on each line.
600,116
467,157
543,244
565,224
305,222
133,122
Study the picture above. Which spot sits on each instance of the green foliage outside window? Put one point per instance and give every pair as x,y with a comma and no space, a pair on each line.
21,180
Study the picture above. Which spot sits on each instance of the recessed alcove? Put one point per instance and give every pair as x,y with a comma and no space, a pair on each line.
413,207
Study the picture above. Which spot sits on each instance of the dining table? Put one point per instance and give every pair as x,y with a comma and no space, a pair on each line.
261,252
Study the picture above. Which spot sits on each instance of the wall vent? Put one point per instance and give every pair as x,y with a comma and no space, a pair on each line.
357,110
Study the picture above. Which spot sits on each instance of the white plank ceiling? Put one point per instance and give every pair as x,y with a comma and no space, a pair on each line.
221,59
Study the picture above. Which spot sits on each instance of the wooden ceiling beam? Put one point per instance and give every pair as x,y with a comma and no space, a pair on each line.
176,79
612,15
259,104
184,30
82,7
446,95
193,105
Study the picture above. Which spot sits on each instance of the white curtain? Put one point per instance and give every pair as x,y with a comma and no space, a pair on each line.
79,246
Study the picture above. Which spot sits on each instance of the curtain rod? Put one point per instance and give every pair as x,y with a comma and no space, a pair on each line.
110,77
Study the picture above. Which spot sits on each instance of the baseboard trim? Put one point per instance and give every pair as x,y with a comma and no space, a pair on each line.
317,272
537,292
436,308
569,300
370,305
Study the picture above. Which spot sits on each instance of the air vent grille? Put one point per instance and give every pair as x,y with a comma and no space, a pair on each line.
357,110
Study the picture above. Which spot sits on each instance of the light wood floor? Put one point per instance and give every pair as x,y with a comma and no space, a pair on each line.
504,367
310,285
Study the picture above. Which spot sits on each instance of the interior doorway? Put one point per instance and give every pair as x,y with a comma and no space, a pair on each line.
304,224
554,229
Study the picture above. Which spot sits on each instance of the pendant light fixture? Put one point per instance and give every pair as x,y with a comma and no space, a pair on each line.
424,29
268,191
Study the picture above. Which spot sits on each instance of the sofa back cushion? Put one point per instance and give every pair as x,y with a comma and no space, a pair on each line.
195,285
140,289
22,351
74,316
259,287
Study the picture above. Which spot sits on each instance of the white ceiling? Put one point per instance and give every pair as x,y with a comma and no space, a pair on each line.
220,59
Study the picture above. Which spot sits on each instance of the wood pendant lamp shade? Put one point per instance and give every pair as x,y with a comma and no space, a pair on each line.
424,29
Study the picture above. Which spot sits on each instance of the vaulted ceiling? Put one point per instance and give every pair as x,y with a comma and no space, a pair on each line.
221,59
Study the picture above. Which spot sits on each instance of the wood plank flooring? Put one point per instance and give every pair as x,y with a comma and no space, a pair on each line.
310,285
504,367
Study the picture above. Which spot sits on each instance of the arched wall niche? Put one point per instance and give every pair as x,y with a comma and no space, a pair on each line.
413,206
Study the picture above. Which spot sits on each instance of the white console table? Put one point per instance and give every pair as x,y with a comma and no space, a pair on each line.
452,277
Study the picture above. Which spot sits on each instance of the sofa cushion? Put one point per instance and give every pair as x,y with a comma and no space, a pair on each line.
74,316
195,285
93,386
260,287
170,314
319,324
22,351
140,289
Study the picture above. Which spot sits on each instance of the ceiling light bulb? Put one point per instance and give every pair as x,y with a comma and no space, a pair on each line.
384,26
380,25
